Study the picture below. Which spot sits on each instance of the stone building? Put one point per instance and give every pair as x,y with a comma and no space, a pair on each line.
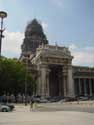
51,66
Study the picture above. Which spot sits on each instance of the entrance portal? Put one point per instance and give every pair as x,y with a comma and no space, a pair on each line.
55,80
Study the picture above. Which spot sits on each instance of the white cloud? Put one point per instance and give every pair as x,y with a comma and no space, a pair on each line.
82,56
11,47
11,44
72,47
44,25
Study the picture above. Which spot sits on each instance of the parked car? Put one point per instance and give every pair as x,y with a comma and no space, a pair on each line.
83,98
55,99
91,98
39,99
6,107
43,100
10,105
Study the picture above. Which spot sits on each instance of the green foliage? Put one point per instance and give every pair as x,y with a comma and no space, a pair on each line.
13,75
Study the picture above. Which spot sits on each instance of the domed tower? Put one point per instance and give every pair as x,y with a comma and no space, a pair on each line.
34,36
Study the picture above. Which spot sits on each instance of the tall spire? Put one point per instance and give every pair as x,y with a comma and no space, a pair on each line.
34,36
34,28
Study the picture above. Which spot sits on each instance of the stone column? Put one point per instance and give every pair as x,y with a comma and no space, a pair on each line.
90,87
47,82
60,85
85,89
43,80
65,85
39,83
70,82
64,82
79,83
93,86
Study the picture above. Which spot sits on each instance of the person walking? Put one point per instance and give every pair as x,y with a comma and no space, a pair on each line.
31,105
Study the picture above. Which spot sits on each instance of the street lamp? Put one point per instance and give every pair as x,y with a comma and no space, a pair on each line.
2,16
26,63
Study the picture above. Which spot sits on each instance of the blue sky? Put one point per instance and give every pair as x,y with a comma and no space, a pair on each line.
67,22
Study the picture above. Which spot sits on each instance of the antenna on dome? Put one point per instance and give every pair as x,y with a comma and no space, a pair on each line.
35,14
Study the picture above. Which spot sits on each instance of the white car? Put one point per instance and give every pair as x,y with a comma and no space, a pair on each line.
4,108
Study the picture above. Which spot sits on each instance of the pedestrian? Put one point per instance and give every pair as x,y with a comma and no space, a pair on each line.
35,106
31,105
77,100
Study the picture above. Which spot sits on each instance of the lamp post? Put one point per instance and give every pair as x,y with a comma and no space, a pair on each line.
2,16
26,63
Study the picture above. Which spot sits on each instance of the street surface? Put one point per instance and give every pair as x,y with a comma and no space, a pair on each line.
50,114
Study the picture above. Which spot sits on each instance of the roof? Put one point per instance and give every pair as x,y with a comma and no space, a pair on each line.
84,74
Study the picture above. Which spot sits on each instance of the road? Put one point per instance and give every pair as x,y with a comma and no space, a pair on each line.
49,114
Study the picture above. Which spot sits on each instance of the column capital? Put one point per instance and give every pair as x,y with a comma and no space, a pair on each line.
69,66
65,71
47,72
43,66
65,67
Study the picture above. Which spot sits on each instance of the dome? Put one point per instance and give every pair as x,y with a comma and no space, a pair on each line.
34,28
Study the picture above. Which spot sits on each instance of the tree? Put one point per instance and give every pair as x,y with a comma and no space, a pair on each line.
13,75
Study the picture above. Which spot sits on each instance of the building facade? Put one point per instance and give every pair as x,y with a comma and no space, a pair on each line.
51,66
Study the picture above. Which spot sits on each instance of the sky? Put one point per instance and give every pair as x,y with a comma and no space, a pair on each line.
68,23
